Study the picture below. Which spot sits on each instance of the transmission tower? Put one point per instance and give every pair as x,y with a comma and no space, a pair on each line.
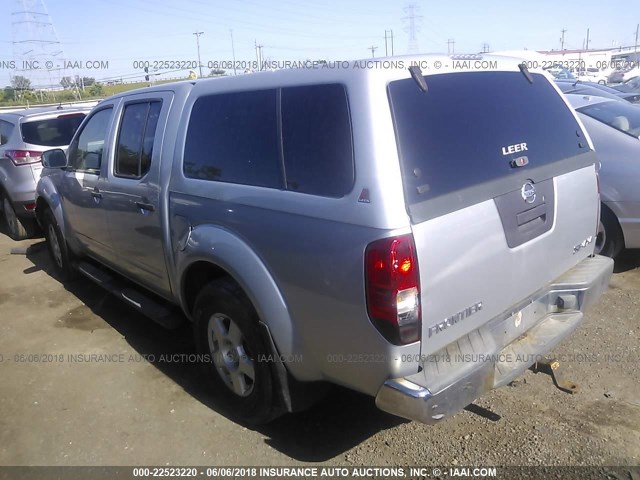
412,19
36,49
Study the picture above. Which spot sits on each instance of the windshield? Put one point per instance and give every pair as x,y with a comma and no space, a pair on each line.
52,132
619,115
634,83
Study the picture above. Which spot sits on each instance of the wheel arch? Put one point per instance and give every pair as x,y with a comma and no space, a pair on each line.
47,197
212,252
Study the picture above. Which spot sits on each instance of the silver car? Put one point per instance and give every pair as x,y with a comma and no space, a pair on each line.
24,135
614,127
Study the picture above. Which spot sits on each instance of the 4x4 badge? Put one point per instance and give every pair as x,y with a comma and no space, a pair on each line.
528,192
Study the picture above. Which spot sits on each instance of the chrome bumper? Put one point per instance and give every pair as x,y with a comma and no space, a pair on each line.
446,385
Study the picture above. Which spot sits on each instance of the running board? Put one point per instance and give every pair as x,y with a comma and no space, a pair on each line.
145,304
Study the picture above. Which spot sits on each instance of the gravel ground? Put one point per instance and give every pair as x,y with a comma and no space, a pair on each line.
134,412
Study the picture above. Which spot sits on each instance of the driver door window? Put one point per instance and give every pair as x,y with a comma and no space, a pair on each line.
85,152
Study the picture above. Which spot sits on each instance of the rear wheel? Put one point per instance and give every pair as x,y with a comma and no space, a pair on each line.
227,333
18,228
609,240
61,256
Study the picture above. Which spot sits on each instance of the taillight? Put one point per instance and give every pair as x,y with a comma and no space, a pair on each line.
393,288
24,157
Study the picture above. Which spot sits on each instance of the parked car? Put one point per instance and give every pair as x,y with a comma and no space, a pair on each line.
388,230
630,86
595,89
630,74
592,74
559,72
24,135
617,76
614,128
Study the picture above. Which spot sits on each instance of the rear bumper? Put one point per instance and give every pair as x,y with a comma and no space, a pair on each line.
497,353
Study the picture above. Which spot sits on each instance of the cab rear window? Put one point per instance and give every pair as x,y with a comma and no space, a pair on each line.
468,127
52,132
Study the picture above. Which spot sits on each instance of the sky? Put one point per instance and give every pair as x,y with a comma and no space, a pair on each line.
127,32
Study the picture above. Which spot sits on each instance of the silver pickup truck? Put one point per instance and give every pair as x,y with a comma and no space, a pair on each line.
420,234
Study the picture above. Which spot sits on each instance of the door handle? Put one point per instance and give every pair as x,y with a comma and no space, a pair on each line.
96,193
145,206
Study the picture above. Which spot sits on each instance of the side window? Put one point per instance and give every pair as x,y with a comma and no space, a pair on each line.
317,142
135,139
233,138
6,128
85,152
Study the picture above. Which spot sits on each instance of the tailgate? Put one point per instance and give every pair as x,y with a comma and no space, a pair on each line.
470,274
500,185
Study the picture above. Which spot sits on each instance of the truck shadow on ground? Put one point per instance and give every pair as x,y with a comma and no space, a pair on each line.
342,420
627,260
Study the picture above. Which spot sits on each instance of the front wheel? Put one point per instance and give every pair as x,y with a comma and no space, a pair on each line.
227,335
60,254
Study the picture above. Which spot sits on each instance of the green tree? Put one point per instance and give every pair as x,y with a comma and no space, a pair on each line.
21,83
9,93
216,72
96,90
66,82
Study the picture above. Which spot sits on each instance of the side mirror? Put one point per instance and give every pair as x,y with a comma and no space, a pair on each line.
55,158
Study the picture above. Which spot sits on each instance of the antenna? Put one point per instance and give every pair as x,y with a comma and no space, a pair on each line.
36,48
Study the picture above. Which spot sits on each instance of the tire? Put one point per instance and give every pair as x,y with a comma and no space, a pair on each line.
61,257
227,334
18,228
609,240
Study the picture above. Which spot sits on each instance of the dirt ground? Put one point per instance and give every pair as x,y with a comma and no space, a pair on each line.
57,410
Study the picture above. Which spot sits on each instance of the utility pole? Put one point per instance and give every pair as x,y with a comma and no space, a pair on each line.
34,39
564,30
587,43
373,51
451,46
386,50
412,18
233,53
258,54
485,48
390,37
635,47
392,40
197,34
